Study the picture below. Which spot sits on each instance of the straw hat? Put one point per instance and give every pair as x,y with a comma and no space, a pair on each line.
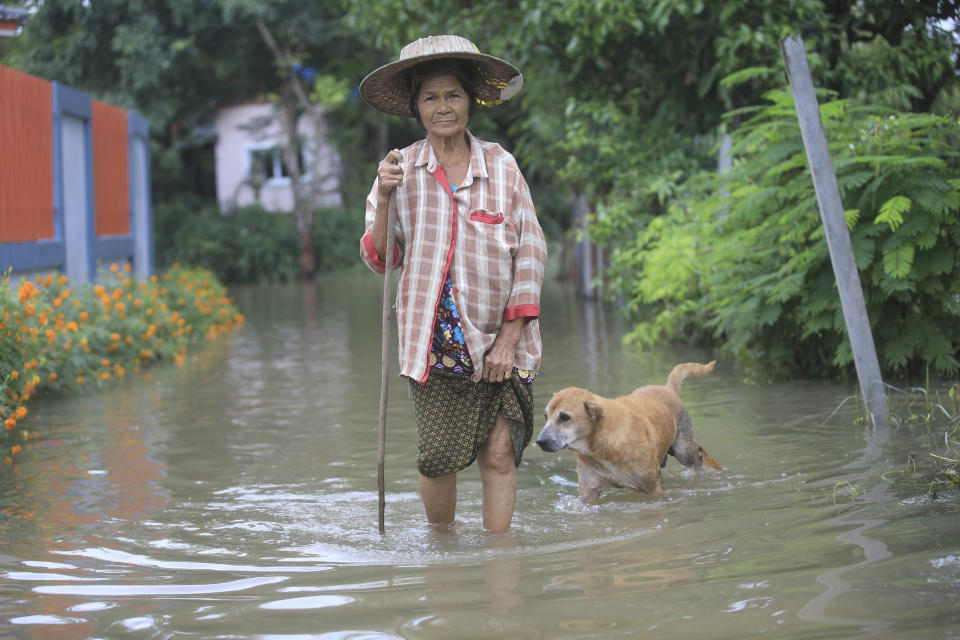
387,88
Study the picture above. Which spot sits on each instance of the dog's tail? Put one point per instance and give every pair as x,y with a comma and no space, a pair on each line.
681,371
706,458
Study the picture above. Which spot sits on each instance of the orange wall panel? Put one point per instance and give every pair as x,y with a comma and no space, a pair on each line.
111,173
26,157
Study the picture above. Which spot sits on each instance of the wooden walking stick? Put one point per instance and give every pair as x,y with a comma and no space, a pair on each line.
385,365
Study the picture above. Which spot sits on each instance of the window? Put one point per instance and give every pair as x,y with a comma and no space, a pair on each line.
266,163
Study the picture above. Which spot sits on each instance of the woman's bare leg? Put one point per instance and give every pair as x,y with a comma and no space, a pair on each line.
498,476
439,498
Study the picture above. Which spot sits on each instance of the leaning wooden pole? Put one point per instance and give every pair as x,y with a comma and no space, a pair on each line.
385,368
835,227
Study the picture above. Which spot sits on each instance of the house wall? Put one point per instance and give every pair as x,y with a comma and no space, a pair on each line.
243,129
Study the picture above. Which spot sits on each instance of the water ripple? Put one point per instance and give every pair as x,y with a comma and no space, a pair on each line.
159,589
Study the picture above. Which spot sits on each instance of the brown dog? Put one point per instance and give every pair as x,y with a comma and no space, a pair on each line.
623,442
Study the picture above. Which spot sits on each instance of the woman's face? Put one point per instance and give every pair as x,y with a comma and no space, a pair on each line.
444,106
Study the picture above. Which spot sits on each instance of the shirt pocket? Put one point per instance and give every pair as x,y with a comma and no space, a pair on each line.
486,217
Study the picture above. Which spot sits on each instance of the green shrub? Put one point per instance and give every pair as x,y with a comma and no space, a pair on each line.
250,244
742,260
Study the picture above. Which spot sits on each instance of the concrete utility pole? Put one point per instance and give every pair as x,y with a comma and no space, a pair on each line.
835,226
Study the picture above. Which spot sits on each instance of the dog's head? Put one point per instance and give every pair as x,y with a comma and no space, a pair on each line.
571,415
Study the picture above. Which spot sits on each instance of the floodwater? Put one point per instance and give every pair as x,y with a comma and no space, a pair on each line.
236,497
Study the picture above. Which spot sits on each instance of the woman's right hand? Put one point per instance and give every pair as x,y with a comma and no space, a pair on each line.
390,173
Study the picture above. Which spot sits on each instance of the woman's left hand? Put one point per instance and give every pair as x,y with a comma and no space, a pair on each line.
498,361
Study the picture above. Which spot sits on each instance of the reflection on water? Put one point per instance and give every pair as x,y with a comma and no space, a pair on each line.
236,497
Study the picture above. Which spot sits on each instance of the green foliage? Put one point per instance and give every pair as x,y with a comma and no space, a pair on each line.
250,244
623,102
329,91
744,263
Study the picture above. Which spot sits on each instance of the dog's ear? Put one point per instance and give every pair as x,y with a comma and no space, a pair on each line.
593,411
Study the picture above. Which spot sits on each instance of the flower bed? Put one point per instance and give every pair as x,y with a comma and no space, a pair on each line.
58,338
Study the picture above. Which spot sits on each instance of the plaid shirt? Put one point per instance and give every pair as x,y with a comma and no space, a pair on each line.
486,235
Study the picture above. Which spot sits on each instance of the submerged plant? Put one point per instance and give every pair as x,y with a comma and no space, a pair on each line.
938,467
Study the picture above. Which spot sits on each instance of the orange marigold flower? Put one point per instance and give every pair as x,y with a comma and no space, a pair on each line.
15,450
146,353
105,362
127,267
114,267
104,375
72,326
128,340
98,290
62,280
29,310
84,316
20,413
14,374
57,302
83,342
52,377
48,280
27,291
51,336
10,423
138,303
119,306
115,336
79,379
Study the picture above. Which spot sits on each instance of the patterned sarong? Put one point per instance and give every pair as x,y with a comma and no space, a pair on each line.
455,416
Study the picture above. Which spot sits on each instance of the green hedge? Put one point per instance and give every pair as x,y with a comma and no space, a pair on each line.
250,244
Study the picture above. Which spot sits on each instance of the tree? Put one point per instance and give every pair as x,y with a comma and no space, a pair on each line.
625,102
176,61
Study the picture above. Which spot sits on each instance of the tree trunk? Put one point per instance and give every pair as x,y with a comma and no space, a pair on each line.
292,99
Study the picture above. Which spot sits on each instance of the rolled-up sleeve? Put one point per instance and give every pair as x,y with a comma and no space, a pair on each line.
368,253
530,258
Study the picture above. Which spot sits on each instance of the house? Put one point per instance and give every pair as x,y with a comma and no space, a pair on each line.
11,19
248,156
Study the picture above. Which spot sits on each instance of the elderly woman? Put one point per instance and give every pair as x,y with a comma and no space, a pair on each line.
471,256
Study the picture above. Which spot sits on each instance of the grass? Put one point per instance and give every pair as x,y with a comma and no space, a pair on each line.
936,466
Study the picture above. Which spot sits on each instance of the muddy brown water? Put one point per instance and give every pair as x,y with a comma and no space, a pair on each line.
235,497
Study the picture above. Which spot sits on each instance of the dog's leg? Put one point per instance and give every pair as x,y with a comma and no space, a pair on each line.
591,483
685,448
648,481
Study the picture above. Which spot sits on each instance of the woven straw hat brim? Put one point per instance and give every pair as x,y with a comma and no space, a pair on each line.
385,88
